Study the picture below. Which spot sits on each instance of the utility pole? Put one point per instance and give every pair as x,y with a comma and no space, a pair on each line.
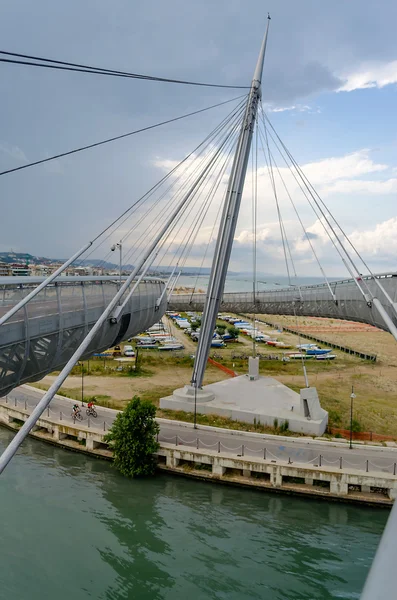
228,222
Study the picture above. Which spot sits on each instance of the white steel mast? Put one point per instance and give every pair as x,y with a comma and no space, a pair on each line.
228,222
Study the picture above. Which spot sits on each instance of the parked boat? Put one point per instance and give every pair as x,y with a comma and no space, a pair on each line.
325,357
304,346
317,351
171,347
217,344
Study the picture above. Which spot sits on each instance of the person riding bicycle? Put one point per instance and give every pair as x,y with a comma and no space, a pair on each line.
91,404
76,409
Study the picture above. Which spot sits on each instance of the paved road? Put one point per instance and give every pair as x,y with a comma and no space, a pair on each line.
305,451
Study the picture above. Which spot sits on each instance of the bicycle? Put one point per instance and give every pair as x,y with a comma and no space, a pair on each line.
77,415
91,412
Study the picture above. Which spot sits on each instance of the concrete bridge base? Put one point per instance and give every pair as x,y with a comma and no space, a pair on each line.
254,400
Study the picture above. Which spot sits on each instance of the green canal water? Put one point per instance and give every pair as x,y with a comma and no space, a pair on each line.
72,528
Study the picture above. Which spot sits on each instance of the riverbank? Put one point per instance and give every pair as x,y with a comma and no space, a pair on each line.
265,472
170,537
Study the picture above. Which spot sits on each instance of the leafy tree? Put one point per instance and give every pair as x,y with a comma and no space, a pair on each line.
194,326
133,438
220,329
233,331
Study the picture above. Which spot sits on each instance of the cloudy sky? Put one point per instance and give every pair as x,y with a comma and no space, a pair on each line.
329,87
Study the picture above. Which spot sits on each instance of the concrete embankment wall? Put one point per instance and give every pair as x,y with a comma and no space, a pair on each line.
261,473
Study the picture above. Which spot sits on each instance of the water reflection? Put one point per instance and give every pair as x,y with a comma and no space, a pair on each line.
168,537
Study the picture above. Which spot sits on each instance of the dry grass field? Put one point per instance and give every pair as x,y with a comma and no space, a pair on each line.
375,384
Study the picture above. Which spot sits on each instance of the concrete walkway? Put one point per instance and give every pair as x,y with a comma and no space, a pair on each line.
303,451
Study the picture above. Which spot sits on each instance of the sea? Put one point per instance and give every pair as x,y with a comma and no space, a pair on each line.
243,283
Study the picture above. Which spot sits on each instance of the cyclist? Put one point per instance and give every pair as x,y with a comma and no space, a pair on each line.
91,404
76,410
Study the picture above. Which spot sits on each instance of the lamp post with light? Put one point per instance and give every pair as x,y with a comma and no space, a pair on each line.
352,396
119,245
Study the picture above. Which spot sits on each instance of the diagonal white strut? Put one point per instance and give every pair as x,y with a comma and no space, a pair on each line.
228,222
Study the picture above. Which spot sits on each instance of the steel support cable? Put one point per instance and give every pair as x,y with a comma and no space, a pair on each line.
321,220
207,247
108,313
282,226
113,139
213,192
185,185
310,185
143,199
368,297
285,243
203,209
210,140
303,227
82,250
216,221
174,198
154,226
81,68
150,257
305,180
190,237
210,238
185,212
273,184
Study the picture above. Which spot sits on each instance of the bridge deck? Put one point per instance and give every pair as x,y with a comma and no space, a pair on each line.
315,300
42,336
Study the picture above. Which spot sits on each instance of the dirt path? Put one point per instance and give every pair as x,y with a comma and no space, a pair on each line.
180,335
123,388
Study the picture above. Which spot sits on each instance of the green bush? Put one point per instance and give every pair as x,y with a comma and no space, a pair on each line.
133,439
356,426
234,332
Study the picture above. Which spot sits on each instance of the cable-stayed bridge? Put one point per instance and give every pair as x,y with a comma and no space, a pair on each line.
57,323
42,337
309,300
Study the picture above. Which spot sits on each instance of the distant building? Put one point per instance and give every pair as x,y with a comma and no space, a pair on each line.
42,270
19,270
4,269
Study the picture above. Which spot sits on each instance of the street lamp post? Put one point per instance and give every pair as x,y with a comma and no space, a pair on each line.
82,383
352,396
119,245
194,382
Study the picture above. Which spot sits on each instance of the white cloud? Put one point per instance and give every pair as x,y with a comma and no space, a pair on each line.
380,241
361,186
370,75
14,152
342,167
295,107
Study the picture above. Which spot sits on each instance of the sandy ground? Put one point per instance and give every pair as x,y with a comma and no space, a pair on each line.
124,388
375,384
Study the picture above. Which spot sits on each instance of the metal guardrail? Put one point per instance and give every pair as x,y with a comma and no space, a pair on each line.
101,425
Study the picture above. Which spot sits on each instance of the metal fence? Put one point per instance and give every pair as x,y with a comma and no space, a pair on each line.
103,423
